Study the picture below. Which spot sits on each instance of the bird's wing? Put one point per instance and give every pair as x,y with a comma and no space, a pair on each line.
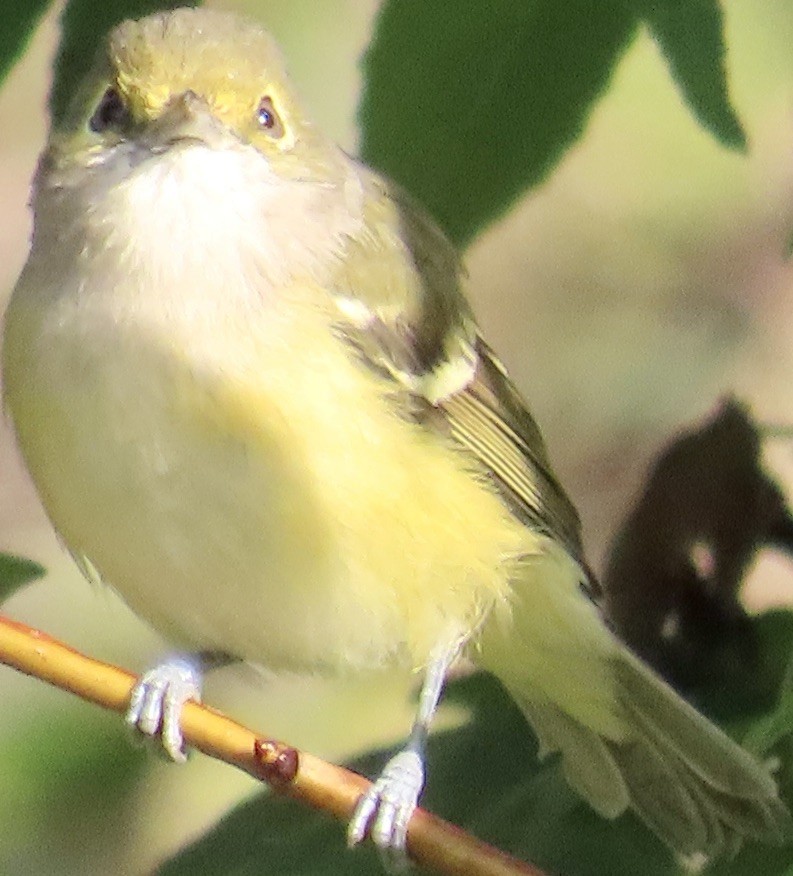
625,738
415,325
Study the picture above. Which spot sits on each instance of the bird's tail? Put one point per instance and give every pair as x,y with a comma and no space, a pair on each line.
626,739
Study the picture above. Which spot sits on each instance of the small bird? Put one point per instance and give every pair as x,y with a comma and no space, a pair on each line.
247,384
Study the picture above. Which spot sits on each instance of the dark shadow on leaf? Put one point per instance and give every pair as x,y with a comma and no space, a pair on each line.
675,570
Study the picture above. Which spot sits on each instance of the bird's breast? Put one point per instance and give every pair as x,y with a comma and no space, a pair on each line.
202,436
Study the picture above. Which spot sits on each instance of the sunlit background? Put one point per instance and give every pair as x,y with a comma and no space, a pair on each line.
648,276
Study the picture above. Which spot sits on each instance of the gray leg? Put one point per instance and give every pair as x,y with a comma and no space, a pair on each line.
385,810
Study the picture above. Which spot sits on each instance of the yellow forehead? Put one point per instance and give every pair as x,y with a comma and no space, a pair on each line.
227,60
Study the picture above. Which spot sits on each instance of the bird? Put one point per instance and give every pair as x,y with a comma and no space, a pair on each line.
247,383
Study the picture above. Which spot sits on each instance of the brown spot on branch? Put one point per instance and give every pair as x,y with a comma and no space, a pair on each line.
433,843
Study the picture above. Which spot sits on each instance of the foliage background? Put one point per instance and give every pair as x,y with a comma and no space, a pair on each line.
644,277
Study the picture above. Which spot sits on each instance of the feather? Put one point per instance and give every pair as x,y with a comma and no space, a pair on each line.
626,739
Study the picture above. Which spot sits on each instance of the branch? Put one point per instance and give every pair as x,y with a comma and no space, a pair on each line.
432,842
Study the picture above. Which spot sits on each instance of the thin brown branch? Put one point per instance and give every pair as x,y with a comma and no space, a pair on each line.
432,842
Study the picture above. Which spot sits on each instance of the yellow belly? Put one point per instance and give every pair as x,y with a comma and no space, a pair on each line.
245,500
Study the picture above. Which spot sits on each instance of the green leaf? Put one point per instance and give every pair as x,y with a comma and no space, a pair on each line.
746,697
68,788
769,736
83,25
484,776
15,572
468,104
690,34
19,22
768,731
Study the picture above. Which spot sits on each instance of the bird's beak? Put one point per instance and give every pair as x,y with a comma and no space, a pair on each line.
186,119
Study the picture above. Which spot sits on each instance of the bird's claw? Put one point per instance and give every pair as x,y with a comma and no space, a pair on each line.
384,811
157,701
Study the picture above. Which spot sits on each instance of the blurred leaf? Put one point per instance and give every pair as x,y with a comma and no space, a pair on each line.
484,776
468,104
690,35
767,732
83,25
19,23
68,778
15,572
277,834
756,860
771,738
675,569
735,704
73,756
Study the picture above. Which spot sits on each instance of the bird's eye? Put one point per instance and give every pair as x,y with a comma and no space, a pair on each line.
111,112
268,118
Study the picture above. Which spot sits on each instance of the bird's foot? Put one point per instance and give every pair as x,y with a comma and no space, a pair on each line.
384,811
158,699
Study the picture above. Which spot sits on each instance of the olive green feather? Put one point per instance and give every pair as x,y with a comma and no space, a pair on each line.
693,786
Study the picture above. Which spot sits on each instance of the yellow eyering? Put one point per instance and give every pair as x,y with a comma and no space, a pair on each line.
198,429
